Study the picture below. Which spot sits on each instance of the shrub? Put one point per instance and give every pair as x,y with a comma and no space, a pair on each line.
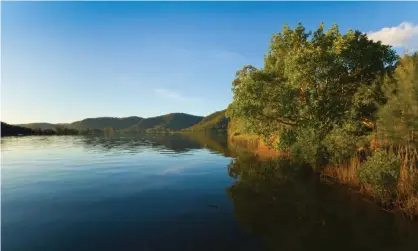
381,171
286,140
308,149
341,145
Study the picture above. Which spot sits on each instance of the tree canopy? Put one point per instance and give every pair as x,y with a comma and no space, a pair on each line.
398,119
313,79
312,83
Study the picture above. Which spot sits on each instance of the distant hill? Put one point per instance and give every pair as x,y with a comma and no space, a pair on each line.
43,126
103,122
13,130
169,122
165,123
89,123
213,122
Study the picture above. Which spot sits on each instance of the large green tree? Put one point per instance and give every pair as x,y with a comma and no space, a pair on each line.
313,79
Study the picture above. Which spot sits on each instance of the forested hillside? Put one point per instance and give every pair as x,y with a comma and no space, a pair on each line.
213,122
43,126
164,123
103,122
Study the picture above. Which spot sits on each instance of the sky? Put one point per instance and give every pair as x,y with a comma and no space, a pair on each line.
66,61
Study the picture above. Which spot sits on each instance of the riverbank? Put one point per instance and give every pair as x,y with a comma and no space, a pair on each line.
253,144
404,200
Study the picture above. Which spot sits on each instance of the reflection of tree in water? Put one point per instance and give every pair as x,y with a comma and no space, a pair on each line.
175,142
287,207
215,142
139,143
179,143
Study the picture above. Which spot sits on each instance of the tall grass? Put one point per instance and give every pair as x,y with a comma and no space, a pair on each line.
404,198
407,189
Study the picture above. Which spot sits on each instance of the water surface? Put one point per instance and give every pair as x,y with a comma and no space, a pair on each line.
177,192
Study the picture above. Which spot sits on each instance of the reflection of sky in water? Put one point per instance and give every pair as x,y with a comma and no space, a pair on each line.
133,185
152,193
82,161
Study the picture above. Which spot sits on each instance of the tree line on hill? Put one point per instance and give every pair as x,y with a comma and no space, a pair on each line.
174,122
13,130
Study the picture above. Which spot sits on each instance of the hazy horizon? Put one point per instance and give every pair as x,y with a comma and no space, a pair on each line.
67,61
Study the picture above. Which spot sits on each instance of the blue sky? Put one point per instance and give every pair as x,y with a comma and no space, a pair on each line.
65,61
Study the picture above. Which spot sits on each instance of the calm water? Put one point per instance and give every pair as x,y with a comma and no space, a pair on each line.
177,193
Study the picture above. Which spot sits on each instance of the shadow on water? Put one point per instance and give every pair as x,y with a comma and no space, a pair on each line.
288,208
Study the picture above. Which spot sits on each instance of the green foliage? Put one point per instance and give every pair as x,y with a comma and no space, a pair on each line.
238,126
381,171
314,84
312,80
398,119
286,139
340,145
324,94
308,148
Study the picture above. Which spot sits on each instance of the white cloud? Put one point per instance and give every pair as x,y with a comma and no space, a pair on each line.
404,35
173,95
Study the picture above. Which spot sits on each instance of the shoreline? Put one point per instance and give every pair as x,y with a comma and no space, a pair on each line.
344,175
